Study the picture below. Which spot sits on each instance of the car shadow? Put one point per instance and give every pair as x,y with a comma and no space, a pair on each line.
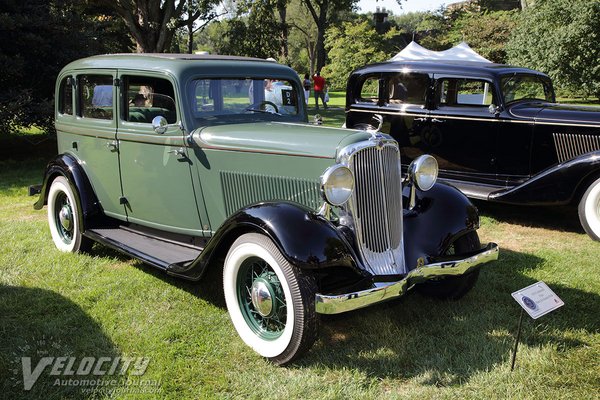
37,323
561,218
447,342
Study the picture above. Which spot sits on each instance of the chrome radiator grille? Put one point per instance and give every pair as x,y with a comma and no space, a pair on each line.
569,146
376,206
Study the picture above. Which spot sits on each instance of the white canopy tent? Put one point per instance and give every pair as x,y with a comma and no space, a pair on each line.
460,52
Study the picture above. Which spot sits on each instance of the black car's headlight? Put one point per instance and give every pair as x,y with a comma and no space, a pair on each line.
337,184
423,172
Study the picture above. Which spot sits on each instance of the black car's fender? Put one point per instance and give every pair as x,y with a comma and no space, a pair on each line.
558,185
306,239
441,215
67,166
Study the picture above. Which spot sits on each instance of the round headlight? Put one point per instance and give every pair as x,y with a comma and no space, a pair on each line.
337,184
423,171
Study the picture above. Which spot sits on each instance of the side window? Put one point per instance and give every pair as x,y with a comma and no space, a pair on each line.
408,88
369,90
96,96
464,92
65,96
147,98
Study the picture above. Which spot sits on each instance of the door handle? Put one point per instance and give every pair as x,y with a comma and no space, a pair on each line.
438,121
420,119
180,153
112,145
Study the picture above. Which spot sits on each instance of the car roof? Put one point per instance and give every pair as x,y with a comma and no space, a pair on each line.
482,69
183,64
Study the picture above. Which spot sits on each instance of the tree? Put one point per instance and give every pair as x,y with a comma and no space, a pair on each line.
487,33
323,13
39,37
353,45
153,23
562,39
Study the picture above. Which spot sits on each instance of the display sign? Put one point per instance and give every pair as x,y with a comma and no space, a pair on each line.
537,299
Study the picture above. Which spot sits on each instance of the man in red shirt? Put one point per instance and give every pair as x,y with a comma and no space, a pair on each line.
319,88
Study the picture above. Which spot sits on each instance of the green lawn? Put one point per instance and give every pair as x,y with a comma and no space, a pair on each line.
105,304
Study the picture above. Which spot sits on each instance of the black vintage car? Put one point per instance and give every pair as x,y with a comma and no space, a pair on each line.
496,131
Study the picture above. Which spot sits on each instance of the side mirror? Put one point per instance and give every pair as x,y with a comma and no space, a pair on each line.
159,124
494,109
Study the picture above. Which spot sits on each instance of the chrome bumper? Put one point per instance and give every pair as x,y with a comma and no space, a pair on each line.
335,304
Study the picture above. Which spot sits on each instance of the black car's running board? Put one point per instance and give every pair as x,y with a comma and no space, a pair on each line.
479,191
150,249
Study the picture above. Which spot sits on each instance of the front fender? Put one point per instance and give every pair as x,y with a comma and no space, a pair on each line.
305,239
67,166
558,185
441,215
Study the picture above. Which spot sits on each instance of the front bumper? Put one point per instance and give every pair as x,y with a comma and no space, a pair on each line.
335,304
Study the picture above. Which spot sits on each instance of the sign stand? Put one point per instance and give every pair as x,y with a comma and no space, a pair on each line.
514,356
537,299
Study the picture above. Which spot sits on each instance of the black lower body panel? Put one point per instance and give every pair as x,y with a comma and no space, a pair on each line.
150,249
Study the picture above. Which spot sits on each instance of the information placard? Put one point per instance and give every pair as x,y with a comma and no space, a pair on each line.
537,299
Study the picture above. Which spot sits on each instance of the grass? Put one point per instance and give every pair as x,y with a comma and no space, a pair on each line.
106,305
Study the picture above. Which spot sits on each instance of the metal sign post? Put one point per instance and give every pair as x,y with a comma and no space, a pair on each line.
538,300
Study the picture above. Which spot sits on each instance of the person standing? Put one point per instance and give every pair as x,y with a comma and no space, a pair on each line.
319,88
306,83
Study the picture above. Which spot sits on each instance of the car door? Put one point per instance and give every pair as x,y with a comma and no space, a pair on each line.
463,132
89,133
155,168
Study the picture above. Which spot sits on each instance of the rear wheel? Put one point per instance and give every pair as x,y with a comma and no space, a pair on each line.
589,210
271,303
64,218
455,287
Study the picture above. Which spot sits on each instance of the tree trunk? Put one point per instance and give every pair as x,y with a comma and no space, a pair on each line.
283,51
321,22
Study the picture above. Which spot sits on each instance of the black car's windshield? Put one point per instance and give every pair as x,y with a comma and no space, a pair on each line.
244,100
526,87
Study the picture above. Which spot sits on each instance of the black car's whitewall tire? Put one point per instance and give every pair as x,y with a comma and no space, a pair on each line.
271,303
64,218
589,210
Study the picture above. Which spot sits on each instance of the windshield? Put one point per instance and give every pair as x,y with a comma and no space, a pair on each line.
526,87
244,100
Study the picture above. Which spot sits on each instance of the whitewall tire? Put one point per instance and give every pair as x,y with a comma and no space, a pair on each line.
589,210
271,303
64,218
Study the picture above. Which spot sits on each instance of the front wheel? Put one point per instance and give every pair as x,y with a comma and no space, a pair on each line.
64,218
589,210
455,287
271,303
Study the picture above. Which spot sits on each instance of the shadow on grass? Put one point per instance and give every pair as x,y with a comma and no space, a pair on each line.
38,323
445,343
555,218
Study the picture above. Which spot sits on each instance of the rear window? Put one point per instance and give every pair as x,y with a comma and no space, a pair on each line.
408,88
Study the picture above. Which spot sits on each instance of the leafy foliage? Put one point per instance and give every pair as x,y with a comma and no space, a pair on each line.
38,38
353,45
562,39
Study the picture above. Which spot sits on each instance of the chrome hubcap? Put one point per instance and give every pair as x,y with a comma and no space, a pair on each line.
65,217
262,297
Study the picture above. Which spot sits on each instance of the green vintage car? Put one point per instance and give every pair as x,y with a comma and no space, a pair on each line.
190,163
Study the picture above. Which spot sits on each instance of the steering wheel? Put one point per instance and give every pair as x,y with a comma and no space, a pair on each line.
264,103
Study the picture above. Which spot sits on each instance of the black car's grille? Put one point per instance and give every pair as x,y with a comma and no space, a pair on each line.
376,205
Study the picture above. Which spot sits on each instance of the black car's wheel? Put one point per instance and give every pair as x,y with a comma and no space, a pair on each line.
271,303
589,210
64,218
453,288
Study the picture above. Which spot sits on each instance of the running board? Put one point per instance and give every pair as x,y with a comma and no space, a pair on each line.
479,191
153,250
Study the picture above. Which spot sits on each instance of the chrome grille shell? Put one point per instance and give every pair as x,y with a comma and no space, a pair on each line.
376,203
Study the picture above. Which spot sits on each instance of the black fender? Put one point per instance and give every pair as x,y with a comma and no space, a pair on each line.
557,185
306,239
66,165
441,215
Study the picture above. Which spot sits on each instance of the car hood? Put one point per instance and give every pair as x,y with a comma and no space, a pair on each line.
294,139
558,113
